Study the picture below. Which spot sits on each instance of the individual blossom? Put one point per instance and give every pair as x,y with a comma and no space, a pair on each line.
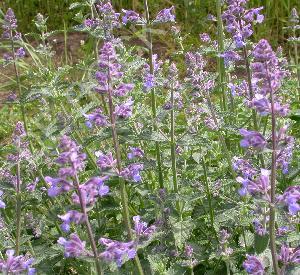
91,22
132,172
20,53
284,156
282,231
32,185
135,152
253,265
2,203
252,139
260,186
259,228
141,229
72,216
117,252
96,118
289,255
230,56
165,16
291,198
244,167
90,191
150,79
204,37
106,161
16,264
130,16
239,89
124,110
73,247
123,89
223,239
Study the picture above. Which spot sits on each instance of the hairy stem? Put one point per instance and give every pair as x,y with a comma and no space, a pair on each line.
18,205
273,183
88,226
153,98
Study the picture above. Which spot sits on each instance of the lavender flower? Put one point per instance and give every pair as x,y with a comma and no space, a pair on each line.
9,24
124,110
16,264
32,185
135,153
58,186
165,16
2,203
259,228
204,37
106,161
132,172
141,229
20,53
289,255
117,252
96,118
253,265
72,216
252,139
188,251
244,167
73,247
130,17
123,89
291,198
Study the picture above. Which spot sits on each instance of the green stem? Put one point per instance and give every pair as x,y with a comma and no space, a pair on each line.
88,226
273,183
153,98
18,209
208,194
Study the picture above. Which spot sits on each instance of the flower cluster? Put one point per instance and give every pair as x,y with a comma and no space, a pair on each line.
16,264
253,265
239,20
73,247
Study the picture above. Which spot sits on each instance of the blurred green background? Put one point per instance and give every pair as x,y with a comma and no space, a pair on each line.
191,14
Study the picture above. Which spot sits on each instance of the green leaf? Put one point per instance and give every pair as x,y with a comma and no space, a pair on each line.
261,243
181,230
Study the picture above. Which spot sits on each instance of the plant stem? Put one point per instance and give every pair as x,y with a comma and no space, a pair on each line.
88,226
273,183
19,89
153,98
221,66
124,198
18,205
208,194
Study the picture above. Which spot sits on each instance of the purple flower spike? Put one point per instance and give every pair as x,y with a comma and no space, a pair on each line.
9,24
124,110
141,229
16,264
106,161
71,216
253,266
132,172
130,16
73,247
96,118
117,252
166,15
291,198
135,153
2,203
252,139
289,255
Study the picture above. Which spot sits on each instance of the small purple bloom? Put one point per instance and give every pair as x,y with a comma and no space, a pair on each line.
72,216
135,153
141,229
188,251
289,255
253,265
124,110
204,37
106,161
20,53
130,16
73,247
132,172
31,186
58,186
123,89
166,15
2,203
252,139
117,252
16,264
96,118
291,198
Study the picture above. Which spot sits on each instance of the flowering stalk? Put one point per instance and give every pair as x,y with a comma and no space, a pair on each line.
221,66
273,181
88,225
18,204
153,99
123,190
